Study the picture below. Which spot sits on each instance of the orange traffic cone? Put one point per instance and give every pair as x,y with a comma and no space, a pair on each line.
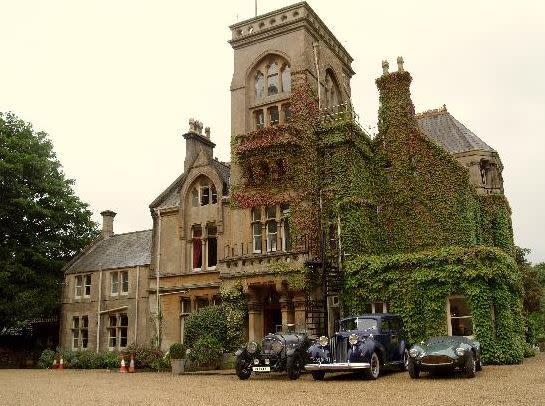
123,368
61,363
131,364
55,365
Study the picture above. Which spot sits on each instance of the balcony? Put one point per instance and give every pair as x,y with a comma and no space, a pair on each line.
266,137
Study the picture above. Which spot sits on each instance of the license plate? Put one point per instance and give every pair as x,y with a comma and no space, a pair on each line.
261,369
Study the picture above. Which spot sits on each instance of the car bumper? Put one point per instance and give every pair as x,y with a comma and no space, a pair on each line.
339,366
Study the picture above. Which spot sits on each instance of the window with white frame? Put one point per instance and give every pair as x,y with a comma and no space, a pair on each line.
79,286
118,326
82,286
119,282
87,290
196,244
80,332
204,194
211,247
256,229
271,229
460,321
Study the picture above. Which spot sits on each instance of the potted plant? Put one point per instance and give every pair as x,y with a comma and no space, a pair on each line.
177,358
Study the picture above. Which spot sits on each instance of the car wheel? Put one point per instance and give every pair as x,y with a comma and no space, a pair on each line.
479,366
470,366
318,375
294,366
243,369
405,360
374,371
414,371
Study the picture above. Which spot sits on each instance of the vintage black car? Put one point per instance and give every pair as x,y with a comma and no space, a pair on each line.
363,343
444,354
282,351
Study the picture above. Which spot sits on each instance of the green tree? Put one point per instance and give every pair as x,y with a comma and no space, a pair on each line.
42,223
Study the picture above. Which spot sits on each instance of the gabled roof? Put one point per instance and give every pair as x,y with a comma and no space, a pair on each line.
117,251
170,197
440,126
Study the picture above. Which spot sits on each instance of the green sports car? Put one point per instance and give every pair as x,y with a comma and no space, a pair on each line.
443,354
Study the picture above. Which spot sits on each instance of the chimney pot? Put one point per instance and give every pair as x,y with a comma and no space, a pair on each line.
207,132
400,64
108,223
385,66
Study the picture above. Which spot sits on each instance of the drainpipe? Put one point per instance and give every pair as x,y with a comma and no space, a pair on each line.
136,304
157,275
98,308
315,47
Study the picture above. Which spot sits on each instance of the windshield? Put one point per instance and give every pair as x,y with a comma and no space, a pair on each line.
358,323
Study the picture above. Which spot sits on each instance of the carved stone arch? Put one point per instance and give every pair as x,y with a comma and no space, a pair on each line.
260,57
185,190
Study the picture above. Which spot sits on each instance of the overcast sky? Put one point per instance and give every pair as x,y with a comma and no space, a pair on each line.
114,83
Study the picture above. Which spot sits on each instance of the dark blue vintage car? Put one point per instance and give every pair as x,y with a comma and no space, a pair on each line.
365,343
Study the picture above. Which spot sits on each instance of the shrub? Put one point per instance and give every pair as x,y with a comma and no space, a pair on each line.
147,357
177,351
209,322
46,359
206,351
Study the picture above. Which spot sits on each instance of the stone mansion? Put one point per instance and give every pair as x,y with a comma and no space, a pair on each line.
300,163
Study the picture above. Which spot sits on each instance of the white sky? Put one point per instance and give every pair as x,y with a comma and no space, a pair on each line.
114,83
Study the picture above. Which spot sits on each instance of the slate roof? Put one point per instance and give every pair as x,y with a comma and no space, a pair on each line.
440,126
117,251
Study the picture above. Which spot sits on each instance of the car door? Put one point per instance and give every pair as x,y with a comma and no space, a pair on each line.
395,339
385,338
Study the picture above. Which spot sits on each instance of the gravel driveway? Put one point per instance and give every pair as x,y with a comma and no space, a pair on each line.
496,385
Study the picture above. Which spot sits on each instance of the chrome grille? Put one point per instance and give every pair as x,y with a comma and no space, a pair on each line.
339,349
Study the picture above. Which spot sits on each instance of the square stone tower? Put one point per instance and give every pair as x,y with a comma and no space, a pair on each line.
270,51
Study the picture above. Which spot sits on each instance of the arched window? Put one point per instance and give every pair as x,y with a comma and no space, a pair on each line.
286,79
259,85
272,79
333,95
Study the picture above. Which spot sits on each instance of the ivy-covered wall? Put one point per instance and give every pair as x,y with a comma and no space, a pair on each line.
417,286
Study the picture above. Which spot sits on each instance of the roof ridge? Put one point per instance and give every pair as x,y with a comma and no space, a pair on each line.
433,112
130,232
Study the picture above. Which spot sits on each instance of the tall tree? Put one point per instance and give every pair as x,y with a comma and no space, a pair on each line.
42,223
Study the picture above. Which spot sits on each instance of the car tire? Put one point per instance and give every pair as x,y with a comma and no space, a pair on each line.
294,365
470,366
243,369
479,366
318,375
374,371
414,371
405,365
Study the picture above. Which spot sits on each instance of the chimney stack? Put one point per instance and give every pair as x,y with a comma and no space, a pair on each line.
108,223
197,142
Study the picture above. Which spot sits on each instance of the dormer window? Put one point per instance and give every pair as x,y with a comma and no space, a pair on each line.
204,194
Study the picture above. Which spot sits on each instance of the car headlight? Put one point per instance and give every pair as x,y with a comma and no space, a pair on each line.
323,341
413,352
353,339
277,346
251,347
460,351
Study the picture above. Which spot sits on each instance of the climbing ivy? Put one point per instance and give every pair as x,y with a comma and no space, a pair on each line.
416,286
235,307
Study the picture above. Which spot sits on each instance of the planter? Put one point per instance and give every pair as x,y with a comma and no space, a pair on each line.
178,366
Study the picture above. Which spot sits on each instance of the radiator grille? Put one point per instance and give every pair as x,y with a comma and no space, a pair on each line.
437,359
339,349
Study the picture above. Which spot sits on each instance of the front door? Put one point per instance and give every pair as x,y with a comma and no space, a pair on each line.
272,315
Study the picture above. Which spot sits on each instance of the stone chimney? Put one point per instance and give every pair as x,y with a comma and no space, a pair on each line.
108,223
196,143
397,108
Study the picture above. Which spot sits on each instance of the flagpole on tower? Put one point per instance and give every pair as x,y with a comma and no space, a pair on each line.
255,2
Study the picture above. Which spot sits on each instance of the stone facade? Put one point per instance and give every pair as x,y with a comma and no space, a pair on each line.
202,238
